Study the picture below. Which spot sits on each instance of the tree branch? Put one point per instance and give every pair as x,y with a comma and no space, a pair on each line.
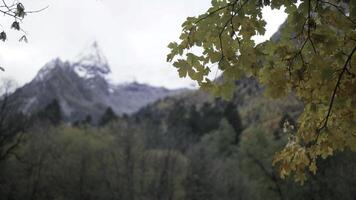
331,104
339,9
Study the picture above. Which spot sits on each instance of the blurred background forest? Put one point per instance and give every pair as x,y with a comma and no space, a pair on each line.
188,146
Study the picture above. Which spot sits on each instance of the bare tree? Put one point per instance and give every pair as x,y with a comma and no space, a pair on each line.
12,123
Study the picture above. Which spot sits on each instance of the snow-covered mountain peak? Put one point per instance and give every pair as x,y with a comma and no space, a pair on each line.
87,94
91,62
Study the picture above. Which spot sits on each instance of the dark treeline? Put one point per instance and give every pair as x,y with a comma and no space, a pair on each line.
184,152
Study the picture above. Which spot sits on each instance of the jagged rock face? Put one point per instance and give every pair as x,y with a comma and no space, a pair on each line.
82,88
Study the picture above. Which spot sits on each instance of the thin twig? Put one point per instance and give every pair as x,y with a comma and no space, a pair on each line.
37,11
215,11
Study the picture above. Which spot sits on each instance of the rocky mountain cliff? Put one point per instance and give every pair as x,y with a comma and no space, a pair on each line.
82,88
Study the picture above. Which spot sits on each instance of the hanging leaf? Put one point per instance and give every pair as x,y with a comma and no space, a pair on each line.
20,10
15,25
23,39
3,36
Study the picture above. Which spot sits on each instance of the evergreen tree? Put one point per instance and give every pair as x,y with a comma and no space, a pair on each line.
108,117
233,117
51,113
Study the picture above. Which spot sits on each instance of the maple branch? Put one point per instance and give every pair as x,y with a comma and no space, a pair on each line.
301,32
215,11
339,9
309,38
233,14
220,36
309,25
208,15
226,24
233,32
331,104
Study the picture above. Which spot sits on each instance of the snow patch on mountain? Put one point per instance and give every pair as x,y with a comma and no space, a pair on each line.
91,62
83,73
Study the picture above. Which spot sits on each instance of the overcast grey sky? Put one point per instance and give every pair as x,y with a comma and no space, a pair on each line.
132,34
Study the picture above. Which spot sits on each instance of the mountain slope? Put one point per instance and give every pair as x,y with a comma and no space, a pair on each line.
82,88
255,109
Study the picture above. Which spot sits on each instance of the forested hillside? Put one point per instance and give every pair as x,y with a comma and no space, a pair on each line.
191,146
